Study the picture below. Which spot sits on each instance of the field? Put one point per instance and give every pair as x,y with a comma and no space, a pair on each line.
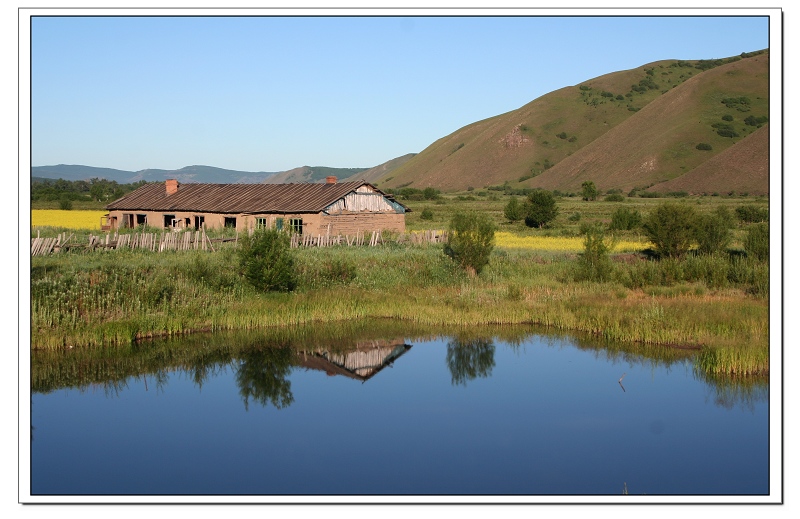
73,219
717,304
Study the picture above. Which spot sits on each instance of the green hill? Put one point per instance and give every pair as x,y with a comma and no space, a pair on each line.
624,130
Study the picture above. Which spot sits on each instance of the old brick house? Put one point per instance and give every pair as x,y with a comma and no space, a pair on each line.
332,208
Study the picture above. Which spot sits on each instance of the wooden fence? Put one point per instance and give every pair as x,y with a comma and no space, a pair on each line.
199,240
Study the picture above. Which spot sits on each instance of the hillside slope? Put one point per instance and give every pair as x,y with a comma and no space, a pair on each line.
742,168
626,129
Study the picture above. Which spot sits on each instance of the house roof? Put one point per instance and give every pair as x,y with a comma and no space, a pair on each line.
238,198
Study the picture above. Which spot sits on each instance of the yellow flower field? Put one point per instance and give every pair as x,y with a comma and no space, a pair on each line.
69,219
507,240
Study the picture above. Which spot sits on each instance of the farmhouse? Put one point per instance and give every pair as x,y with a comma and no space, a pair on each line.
332,208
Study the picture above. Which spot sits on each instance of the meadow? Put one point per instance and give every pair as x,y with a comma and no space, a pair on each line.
716,304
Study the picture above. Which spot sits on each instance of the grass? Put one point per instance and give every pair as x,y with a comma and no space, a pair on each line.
716,304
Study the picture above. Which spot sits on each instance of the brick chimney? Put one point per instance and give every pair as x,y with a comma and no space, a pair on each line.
330,180
172,186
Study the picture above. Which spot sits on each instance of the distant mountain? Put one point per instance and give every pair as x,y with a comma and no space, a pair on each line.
373,174
630,129
309,174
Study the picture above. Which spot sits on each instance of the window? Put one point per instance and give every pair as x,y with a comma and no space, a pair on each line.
168,220
261,223
296,224
199,221
279,224
141,219
230,222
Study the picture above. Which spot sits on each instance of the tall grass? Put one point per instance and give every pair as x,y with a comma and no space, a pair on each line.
118,297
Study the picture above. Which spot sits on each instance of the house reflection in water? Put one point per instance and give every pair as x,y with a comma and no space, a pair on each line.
361,362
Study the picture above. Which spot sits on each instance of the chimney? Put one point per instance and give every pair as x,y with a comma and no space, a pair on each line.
172,186
330,180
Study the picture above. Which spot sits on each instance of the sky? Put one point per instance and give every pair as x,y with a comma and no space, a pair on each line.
269,93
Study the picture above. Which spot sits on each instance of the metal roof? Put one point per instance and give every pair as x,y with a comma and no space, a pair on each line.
238,198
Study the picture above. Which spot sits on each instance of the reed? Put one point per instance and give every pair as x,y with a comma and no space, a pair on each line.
119,297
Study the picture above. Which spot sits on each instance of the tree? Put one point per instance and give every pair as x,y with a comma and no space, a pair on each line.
594,263
713,232
470,241
624,219
589,190
540,208
266,262
671,228
514,210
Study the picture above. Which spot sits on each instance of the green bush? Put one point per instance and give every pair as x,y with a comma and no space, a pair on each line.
574,217
713,233
671,229
426,214
624,219
514,210
540,209
752,213
756,242
266,262
64,203
470,241
703,146
615,197
589,191
594,263
725,132
727,117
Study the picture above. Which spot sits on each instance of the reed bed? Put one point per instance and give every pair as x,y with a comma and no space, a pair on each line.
119,297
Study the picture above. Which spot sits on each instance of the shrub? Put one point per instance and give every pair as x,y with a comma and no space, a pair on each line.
514,211
703,146
430,193
756,243
470,241
624,219
755,121
594,263
671,228
426,214
562,135
574,217
266,262
725,132
540,208
713,233
615,197
752,213
64,203
727,117
589,190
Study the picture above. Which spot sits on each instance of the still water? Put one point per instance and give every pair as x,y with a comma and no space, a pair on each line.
484,414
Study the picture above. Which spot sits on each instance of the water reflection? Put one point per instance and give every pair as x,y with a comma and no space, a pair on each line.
262,375
468,359
263,361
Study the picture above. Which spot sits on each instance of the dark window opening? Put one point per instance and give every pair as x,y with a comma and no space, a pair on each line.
199,221
230,222
169,220
141,219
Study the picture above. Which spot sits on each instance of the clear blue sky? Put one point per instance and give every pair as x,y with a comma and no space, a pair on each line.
274,93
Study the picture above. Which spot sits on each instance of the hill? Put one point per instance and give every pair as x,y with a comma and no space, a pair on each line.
624,130
373,174
309,174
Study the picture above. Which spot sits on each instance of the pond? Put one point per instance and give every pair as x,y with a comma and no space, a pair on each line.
503,412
